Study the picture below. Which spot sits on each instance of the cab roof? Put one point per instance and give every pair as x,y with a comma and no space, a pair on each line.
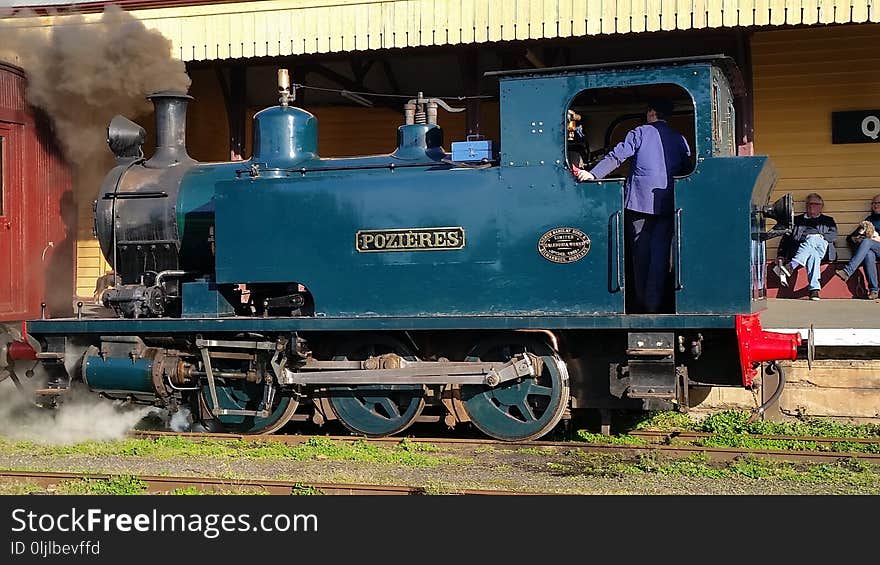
724,62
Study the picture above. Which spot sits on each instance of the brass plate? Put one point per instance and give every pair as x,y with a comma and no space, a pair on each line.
564,245
409,239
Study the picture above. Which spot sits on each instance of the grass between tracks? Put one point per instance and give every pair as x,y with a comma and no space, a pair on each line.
403,453
125,485
732,429
852,472
728,429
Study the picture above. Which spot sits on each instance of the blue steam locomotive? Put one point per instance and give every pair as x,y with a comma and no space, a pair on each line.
483,285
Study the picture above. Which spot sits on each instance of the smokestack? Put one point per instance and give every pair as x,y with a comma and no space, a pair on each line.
170,111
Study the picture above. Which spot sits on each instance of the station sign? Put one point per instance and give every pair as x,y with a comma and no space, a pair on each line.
859,126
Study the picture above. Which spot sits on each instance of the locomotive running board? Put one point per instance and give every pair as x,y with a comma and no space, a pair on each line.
409,372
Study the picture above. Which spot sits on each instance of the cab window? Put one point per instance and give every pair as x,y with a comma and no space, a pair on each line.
598,119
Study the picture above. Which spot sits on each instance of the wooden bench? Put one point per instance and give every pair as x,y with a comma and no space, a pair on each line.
832,285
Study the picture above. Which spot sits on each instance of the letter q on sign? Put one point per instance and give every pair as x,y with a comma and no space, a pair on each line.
856,126
871,126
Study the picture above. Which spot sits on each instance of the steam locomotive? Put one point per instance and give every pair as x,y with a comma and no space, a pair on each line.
483,285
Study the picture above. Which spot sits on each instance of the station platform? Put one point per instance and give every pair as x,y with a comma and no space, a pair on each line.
836,323
841,383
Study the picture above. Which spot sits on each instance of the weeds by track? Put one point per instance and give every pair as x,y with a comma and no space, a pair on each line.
653,442
153,484
688,436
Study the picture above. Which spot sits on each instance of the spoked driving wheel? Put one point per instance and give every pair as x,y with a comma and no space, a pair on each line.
521,409
376,410
247,396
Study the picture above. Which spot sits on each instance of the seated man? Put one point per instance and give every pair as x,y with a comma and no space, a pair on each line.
810,242
865,244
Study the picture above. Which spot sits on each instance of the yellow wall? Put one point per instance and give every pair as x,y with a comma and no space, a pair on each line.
207,128
270,28
800,77
90,263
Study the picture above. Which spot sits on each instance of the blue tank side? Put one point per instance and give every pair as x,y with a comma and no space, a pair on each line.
305,229
285,142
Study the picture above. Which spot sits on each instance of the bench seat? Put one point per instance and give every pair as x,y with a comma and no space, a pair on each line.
832,285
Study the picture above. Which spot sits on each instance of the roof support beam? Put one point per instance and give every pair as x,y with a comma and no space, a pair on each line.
234,90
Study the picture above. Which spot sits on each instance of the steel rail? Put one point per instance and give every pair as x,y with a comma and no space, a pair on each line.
160,484
676,451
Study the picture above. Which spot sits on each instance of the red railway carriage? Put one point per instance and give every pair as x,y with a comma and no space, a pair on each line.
37,209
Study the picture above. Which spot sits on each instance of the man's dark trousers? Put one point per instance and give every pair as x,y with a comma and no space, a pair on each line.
648,238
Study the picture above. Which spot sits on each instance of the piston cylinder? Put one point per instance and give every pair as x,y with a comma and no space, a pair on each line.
118,375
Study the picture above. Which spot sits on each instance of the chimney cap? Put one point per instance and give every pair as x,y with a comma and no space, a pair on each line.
169,94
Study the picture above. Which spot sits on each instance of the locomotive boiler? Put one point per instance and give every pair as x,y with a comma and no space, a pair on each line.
424,285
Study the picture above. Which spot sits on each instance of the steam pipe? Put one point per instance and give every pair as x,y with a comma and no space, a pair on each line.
221,374
175,387
170,273
113,216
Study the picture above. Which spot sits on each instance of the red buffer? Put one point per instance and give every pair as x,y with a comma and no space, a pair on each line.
757,345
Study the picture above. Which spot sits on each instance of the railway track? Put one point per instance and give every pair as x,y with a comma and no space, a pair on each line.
660,443
162,484
682,436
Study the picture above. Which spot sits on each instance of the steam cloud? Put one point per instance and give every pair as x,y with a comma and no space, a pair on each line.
82,74
81,417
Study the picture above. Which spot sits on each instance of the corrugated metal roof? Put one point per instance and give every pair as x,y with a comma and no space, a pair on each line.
294,27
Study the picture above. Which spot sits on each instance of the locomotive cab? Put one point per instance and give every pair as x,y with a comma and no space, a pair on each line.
575,115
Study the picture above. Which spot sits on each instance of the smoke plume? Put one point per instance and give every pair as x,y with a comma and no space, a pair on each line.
83,416
82,73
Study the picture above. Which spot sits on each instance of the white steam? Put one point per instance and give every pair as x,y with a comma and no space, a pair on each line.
181,420
82,416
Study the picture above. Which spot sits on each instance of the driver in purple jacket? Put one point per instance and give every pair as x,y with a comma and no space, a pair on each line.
659,153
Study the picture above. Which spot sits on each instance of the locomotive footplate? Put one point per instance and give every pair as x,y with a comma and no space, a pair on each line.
650,369
393,369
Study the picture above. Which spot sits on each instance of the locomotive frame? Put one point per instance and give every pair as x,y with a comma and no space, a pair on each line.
396,288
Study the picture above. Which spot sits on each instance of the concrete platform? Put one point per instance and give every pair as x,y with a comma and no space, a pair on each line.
844,380
838,389
836,323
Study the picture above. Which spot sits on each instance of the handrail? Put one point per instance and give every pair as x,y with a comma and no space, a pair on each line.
679,284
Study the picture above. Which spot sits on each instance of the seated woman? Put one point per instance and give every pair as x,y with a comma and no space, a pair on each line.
865,242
